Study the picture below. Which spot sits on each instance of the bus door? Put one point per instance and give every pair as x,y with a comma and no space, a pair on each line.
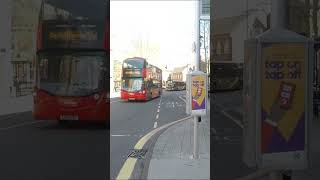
156,89
148,88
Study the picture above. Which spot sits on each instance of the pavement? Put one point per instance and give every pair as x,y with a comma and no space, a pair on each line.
114,94
226,136
172,154
313,173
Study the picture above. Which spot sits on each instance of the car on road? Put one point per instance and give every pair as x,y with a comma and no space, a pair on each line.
175,85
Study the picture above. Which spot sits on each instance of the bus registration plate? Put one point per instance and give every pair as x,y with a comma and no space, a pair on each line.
68,117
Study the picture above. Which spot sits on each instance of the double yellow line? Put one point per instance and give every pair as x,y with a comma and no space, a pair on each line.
128,166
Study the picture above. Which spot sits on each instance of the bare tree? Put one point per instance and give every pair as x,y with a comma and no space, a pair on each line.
144,48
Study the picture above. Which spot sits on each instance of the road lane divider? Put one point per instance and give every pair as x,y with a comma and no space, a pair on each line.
128,166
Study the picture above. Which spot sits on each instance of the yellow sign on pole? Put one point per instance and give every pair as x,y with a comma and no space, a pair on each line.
198,93
283,98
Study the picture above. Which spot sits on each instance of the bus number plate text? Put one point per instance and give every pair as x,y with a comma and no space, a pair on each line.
68,117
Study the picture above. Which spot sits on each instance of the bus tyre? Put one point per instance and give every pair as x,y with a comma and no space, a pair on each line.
106,125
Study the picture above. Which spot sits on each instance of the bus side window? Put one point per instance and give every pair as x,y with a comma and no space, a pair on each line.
151,84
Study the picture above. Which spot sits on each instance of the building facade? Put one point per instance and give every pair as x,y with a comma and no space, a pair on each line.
23,49
117,72
180,73
24,24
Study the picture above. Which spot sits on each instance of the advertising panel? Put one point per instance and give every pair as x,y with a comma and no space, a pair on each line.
199,94
283,115
188,93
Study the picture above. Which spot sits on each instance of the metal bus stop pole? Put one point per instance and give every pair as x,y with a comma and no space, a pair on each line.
197,68
278,21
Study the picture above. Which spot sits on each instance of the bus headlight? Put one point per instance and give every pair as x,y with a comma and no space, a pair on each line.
96,96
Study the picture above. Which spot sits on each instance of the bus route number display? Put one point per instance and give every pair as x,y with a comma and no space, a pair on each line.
73,35
70,35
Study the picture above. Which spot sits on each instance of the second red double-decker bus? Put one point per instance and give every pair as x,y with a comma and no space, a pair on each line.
140,80
72,59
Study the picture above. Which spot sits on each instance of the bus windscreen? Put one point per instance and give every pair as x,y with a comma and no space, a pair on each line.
134,63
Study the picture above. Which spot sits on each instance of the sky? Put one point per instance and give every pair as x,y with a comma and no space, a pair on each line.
167,26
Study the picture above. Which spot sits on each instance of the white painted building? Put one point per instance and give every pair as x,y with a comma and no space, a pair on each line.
5,48
8,103
233,26
18,21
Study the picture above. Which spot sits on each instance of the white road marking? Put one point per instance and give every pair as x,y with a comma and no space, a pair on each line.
115,101
157,117
214,130
158,110
120,135
155,124
222,107
173,104
160,100
238,122
233,119
182,99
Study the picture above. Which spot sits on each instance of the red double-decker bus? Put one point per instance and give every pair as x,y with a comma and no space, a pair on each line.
72,79
140,80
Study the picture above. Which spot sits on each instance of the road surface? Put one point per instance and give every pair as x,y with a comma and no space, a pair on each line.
41,150
130,121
